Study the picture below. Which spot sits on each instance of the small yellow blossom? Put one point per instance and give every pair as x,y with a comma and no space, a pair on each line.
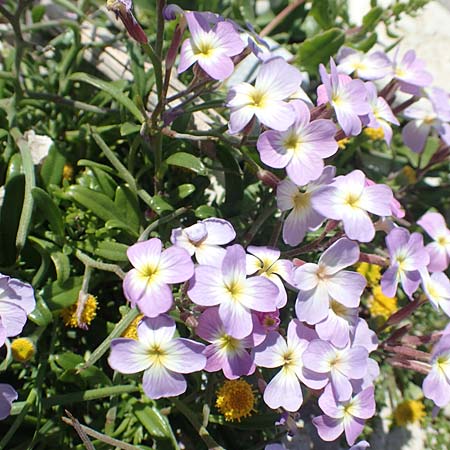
235,399
80,319
342,143
409,411
131,331
380,305
376,134
68,171
371,272
410,174
22,349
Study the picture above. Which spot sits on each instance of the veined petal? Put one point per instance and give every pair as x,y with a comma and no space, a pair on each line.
284,391
313,306
234,265
270,352
358,225
377,199
187,57
220,231
278,78
128,356
329,429
338,256
276,114
272,151
217,66
184,356
286,192
156,331
159,382
353,427
207,287
144,254
436,387
260,294
318,356
13,318
346,287
342,388
236,318
329,405
363,404
175,265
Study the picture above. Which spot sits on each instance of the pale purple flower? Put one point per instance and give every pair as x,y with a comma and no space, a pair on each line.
7,396
210,48
161,357
381,115
437,289
338,325
147,285
16,302
436,385
236,295
204,240
284,390
349,199
367,66
265,261
225,352
407,257
427,114
276,82
301,148
339,365
439,250
321,283
303,217
396,209
346,96
410,73
270,321
348,416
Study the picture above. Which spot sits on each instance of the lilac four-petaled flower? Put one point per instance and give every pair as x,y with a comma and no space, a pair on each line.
162,357
236,295
7,396
210,48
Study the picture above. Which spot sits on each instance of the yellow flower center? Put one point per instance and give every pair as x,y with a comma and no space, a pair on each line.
235,289
157,354
22,349
409,411
376,134
302,200
371,272
292,142
131,331
352,200
258,99
288,359
380,305
78,319
228,343
399,72
235,400
204,48
443,240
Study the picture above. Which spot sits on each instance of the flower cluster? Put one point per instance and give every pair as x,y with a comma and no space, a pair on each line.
237,299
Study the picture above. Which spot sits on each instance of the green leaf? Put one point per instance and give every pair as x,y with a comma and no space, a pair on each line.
372,18
105,182
188,161
128,128
50,211
60,260
68,360
41,315
324,12
58,296
319,48
126,201
153,421
205,211
112,90
114,251
100,204
366,44
184,190
53,167
159,205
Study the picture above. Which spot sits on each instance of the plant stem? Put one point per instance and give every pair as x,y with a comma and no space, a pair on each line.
280,17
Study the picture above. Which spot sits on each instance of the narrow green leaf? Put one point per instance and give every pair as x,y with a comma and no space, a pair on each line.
319,48
100,204
41,315
127,203
50,211
112,90
57,296
324,12
372,18
53,167
188,161
153,421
